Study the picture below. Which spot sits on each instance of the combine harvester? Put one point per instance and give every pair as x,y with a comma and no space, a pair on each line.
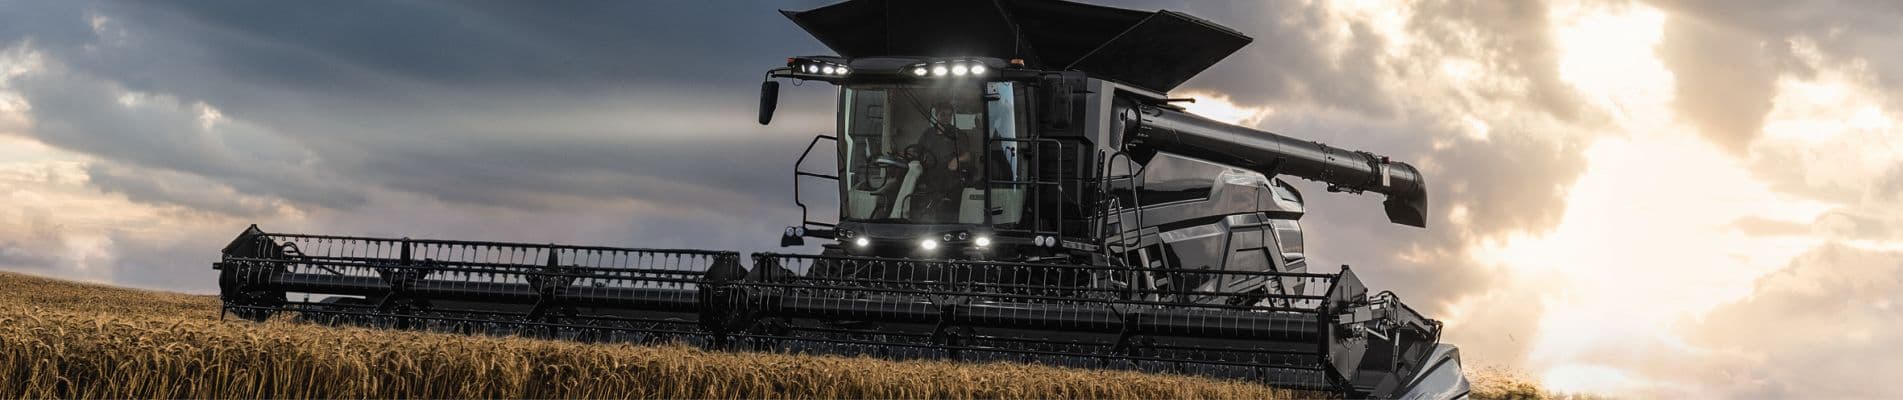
1014,184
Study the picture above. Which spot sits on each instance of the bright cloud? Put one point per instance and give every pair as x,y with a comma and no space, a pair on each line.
1219,107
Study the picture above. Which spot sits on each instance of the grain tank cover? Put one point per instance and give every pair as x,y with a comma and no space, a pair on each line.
1154,50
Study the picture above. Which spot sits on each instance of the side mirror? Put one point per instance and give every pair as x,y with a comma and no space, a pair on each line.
769,100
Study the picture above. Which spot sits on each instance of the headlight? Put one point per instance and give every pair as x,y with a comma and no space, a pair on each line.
982,241
978,69
841,70
862,242
920,71
928,244
939,70
826,69
959,70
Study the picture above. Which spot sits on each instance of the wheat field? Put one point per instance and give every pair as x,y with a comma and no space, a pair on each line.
62,339
67,340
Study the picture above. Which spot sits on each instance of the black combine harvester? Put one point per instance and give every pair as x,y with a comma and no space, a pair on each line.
1014,184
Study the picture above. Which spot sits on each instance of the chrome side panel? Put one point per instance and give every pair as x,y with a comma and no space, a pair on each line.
1443,378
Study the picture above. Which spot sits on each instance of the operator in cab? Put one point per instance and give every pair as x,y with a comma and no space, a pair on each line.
949,161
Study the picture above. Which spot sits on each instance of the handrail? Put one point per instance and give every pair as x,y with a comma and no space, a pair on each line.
1036,180
797,173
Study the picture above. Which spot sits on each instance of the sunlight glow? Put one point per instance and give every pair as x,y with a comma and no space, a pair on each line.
1218,107
1388,19
1606,53
1648,237
1646,242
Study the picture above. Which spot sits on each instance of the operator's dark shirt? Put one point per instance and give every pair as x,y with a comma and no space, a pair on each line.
943,149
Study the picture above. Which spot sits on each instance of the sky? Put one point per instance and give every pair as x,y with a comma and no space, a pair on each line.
1631,198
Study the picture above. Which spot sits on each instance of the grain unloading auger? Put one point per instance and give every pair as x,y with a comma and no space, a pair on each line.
1014,184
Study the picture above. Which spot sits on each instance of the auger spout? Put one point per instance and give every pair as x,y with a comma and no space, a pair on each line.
1148,127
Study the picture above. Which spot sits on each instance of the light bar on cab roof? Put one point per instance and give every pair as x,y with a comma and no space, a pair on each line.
952,68
808,66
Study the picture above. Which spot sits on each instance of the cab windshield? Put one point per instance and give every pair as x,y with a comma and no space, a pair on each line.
926,154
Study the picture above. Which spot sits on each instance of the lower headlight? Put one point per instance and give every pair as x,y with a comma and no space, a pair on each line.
862,242
928,244
981,241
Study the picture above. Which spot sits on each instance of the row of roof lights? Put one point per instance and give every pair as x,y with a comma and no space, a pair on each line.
824,68
955,68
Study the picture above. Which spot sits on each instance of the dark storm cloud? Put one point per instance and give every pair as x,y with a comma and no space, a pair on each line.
355,49
468,102
158,132
49,22
193,192
601,123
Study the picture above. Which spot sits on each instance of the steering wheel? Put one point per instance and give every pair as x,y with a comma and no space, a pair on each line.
888,160
915,152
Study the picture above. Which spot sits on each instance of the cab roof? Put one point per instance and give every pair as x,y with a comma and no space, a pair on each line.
1154,50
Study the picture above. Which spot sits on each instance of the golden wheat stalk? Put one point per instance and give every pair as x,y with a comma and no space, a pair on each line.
62,340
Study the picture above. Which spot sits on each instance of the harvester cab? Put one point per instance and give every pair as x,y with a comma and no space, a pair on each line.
1033,129
936,157
1014,184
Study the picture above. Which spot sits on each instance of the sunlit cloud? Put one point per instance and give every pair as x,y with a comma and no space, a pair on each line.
1647,241
1834,126
1650,236
1219,107
1607,53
